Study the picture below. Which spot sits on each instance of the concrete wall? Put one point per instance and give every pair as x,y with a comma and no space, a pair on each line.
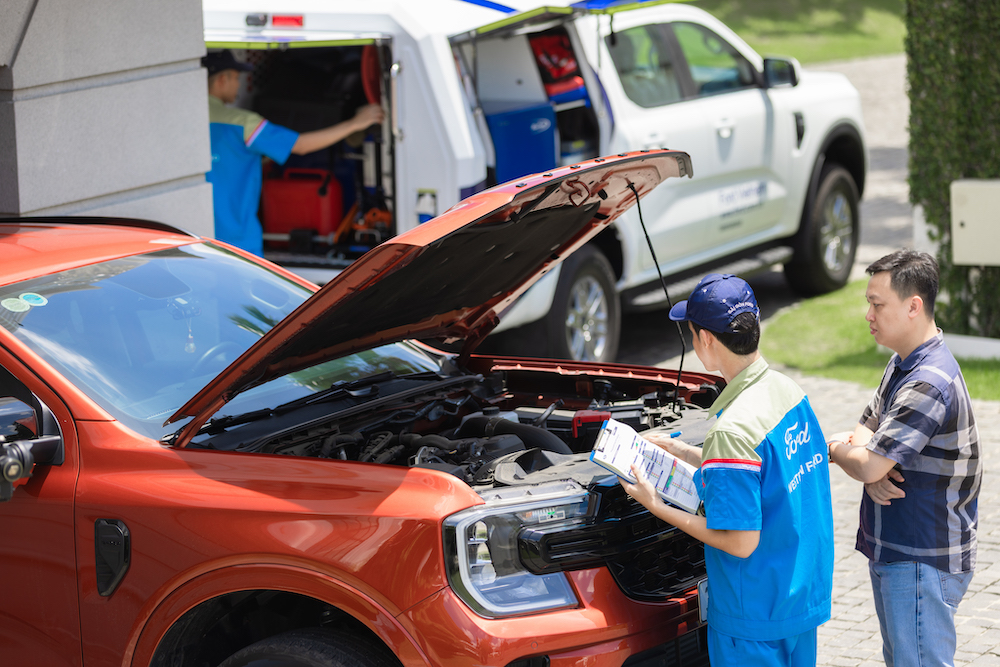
104,111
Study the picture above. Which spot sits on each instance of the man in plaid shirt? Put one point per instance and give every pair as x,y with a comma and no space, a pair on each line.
916,449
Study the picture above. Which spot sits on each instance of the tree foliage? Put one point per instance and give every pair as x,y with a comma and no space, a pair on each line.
954,78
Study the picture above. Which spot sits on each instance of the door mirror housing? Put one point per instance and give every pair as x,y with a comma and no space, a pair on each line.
17,459
781,72
24,440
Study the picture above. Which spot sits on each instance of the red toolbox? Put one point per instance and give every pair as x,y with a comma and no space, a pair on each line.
297,198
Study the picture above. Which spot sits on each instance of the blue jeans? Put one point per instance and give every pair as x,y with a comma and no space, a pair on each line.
916,605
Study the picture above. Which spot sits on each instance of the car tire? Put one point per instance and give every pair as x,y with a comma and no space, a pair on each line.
312,647
584,323
828,240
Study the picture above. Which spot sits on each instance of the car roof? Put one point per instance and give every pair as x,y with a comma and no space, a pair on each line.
33,247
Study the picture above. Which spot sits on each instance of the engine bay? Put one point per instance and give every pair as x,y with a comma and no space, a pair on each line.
505,428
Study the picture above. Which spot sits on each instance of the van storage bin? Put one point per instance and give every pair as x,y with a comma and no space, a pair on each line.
298,198
524,137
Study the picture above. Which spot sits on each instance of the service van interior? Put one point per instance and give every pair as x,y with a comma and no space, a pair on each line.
526,94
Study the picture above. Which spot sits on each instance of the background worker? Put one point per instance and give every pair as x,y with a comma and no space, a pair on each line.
765,484
240,138
917,450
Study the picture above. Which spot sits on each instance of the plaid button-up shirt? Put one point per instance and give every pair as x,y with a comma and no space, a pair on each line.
922,419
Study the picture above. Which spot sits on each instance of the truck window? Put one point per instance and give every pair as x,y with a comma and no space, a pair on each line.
716,67
645,68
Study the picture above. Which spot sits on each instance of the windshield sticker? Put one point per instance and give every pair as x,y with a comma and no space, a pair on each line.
33,299
15,305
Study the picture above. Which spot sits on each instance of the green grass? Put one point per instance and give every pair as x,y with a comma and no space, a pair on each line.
815,30
828,336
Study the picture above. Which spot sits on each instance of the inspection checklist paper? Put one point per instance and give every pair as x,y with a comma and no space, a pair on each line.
619,446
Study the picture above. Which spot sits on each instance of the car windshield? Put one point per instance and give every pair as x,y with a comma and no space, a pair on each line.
142,334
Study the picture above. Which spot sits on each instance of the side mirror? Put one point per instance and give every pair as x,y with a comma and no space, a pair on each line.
781,72
21,442
17,459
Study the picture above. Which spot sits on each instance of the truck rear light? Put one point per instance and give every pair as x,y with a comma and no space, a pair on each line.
286,21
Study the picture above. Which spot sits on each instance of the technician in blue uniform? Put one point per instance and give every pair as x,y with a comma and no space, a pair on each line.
764,480
240,138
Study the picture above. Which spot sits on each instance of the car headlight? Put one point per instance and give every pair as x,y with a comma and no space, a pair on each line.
482,554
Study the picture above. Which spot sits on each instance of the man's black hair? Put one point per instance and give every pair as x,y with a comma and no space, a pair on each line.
910,272
744,339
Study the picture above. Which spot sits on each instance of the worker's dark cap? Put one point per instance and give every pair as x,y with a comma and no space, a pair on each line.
220,61
716,302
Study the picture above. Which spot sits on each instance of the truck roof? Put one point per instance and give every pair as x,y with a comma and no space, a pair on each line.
33,247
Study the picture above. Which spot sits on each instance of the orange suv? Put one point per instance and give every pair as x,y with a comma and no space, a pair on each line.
208,461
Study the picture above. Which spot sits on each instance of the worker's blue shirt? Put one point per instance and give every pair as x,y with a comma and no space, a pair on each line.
764,468
239,139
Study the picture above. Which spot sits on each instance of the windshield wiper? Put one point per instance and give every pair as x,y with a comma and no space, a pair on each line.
341,389
220,424
366,387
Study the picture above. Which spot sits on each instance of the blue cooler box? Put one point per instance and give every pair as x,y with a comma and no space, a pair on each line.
524,138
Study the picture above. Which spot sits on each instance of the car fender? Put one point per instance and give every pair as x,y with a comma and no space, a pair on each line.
832,110
161,613
851,153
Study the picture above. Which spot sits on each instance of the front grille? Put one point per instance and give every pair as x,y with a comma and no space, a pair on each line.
649,559
661,570
688,650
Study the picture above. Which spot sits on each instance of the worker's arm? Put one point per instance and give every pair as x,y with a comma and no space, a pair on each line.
366,116
679,449
849,451
739,543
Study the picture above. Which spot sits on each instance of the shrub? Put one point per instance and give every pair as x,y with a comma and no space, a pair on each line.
954,78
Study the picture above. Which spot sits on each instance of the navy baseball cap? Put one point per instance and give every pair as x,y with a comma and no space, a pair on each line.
220,61
716,302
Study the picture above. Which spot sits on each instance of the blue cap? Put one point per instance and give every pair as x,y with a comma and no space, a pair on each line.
716,302
220,61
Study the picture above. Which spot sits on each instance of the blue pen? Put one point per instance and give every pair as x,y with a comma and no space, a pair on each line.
674,434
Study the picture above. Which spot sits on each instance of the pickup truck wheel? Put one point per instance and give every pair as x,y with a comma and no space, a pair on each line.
312,647
584,323
828,240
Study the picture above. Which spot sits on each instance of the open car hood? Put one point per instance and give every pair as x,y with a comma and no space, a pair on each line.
448,278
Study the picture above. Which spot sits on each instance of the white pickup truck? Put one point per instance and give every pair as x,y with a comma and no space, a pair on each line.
479,93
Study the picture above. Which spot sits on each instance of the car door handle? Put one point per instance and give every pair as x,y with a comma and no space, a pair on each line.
724,128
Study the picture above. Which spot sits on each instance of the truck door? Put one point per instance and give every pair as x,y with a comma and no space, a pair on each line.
652,110
681,86
40,607
739,117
